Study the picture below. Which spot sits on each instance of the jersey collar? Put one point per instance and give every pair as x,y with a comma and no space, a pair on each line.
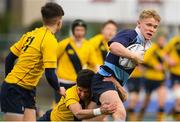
145,43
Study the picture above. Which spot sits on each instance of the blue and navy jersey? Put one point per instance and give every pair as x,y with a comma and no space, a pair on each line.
111,65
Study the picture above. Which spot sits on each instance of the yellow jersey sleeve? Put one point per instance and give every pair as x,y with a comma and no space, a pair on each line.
49,51
71,96
16,48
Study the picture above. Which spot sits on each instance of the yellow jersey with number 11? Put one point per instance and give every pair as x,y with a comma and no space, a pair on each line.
36,50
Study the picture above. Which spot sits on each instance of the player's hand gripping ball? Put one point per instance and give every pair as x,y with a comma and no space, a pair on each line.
127,63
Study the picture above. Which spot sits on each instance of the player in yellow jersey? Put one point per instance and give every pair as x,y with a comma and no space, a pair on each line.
99,42
35,52
73,105
172,57
74,53
154,77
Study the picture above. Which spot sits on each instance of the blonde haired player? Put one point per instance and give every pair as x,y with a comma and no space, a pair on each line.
101,91
35,52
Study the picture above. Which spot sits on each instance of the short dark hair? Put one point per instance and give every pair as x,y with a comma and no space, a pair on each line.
78,22
50,12
110,22
84,78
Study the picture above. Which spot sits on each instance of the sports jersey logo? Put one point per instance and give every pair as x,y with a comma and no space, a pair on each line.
102,48
70,51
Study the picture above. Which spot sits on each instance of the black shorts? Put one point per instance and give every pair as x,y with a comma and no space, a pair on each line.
175,79
134,84
46,116
15,99
98,86
151,85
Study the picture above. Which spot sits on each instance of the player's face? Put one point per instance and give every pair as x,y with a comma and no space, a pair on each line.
79,32
109,31
148,26
83,93
161,41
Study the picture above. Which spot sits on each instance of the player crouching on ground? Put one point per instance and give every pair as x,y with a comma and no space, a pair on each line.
72,106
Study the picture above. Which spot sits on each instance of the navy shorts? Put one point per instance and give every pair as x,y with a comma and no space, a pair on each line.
134,84
15,99
151,85
98,86
46,116
175,79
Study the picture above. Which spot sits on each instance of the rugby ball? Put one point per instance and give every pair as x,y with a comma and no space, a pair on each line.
127,63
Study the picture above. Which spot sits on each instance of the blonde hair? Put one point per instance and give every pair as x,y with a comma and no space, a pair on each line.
149,13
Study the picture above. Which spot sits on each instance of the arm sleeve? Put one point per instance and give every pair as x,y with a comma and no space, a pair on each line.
60,49
71,97
52,78
49,51
120,37
16,48
9,63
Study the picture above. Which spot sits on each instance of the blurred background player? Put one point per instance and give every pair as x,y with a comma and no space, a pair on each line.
74,53
73,106
154,77
172,57
134,85
35,52
99,41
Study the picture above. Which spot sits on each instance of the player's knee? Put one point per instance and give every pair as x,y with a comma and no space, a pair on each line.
120,114
123,114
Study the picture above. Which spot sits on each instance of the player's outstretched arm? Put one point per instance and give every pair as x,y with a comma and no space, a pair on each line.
89,113
9,63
